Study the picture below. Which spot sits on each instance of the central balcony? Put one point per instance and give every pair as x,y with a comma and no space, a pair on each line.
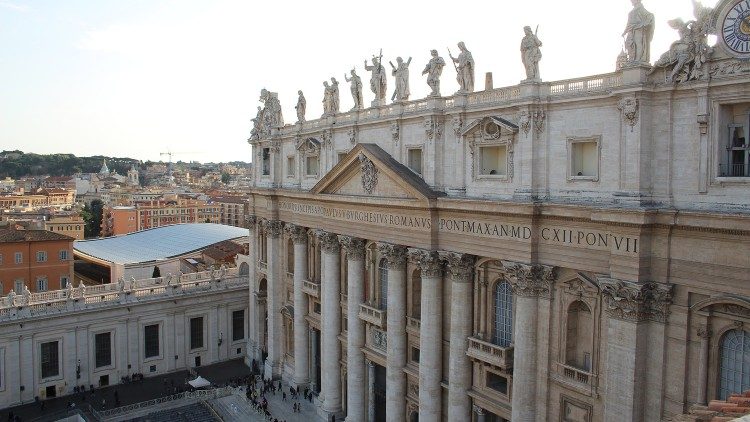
311,288
372,315
580,379
492,354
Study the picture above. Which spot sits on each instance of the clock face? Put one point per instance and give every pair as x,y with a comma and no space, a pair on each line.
735,28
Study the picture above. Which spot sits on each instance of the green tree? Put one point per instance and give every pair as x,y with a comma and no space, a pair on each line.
92,215
225,178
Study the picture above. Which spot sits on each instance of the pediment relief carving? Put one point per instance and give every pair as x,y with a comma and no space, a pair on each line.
308,146
581,286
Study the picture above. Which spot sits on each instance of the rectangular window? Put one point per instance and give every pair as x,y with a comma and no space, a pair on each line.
151,340
414,160
738,153
290,166
584,159
50,359
41,284
1,259
103,349
41,256
415,354
64,255
341,156
196,333
311,166
493,160
19,257
238,325
18,286
64,281
497,383
266,162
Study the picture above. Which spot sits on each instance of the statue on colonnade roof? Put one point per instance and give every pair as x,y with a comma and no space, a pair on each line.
401,73
301,107
531,54
465,69
356,89
267,118
638,33
378,80
433,70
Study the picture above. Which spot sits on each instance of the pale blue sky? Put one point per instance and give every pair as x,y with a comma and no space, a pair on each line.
136,78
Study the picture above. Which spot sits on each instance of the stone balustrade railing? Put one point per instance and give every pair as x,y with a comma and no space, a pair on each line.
311,288
490,353
579,378
372,315
16,306
497,97
149,405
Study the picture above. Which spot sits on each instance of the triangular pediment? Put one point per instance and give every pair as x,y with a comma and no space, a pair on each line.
367,170
489,125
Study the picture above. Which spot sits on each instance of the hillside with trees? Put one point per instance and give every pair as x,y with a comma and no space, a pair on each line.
17,164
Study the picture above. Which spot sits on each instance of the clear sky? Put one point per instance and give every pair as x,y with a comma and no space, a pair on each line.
139,77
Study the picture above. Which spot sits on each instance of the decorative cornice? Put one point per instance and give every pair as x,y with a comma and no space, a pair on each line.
395,255
527,280
429,262
329,242
297,233
354,247
461,266
273,228
631,301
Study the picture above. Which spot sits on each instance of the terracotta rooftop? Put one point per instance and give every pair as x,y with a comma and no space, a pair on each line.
731,409
14,236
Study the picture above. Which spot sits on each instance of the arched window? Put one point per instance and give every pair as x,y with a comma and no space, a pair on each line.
735,363
244,269
383,269
579,336
290,256
502,329
416,294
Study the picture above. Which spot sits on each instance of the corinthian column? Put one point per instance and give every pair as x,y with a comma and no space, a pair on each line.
355,359
301,353
330,319
530,282
275,282
704,333
253,345
395,379
430,335
461,268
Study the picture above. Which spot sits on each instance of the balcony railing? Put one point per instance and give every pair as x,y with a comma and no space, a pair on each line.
490,353
584,380
733,170
372,315
311,288
413,325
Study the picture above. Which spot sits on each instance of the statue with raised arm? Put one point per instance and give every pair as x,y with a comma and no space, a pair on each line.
334,96
465,69
638,33
531,54
270,117
378,80
433,70
301,107
401,73
356,88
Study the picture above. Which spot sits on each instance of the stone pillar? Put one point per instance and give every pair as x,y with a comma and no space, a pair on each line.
314,381
275,284
530,282
330,319
355,359
630,307
705,334
461,268
370,391
252,328
395,382
301,355
430,335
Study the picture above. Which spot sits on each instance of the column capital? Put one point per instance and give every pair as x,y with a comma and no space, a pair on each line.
369,363
429,262
461,266
530,280
297,233
251,221
704,332
478,410
395,255
329,242
631,301
272,228
354,247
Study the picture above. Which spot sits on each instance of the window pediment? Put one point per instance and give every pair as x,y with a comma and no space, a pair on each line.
308,146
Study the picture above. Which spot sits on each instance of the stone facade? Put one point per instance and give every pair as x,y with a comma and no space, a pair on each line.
572,250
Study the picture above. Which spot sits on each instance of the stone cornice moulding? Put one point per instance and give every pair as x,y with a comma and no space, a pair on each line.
637,302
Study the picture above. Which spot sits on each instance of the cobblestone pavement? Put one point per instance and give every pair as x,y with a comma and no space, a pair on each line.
236,408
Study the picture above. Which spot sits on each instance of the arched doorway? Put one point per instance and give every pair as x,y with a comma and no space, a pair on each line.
735,363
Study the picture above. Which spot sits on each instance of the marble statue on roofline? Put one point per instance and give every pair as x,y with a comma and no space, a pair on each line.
401,73
531,54
433,70
355,86
638,33
464,70
269,117
301,107
378,80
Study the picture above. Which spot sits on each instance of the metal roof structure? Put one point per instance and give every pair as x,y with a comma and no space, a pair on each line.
157,243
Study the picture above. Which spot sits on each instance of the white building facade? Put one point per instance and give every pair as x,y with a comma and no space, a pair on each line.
575,250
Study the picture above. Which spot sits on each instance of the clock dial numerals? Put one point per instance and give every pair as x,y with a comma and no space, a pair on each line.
735,28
